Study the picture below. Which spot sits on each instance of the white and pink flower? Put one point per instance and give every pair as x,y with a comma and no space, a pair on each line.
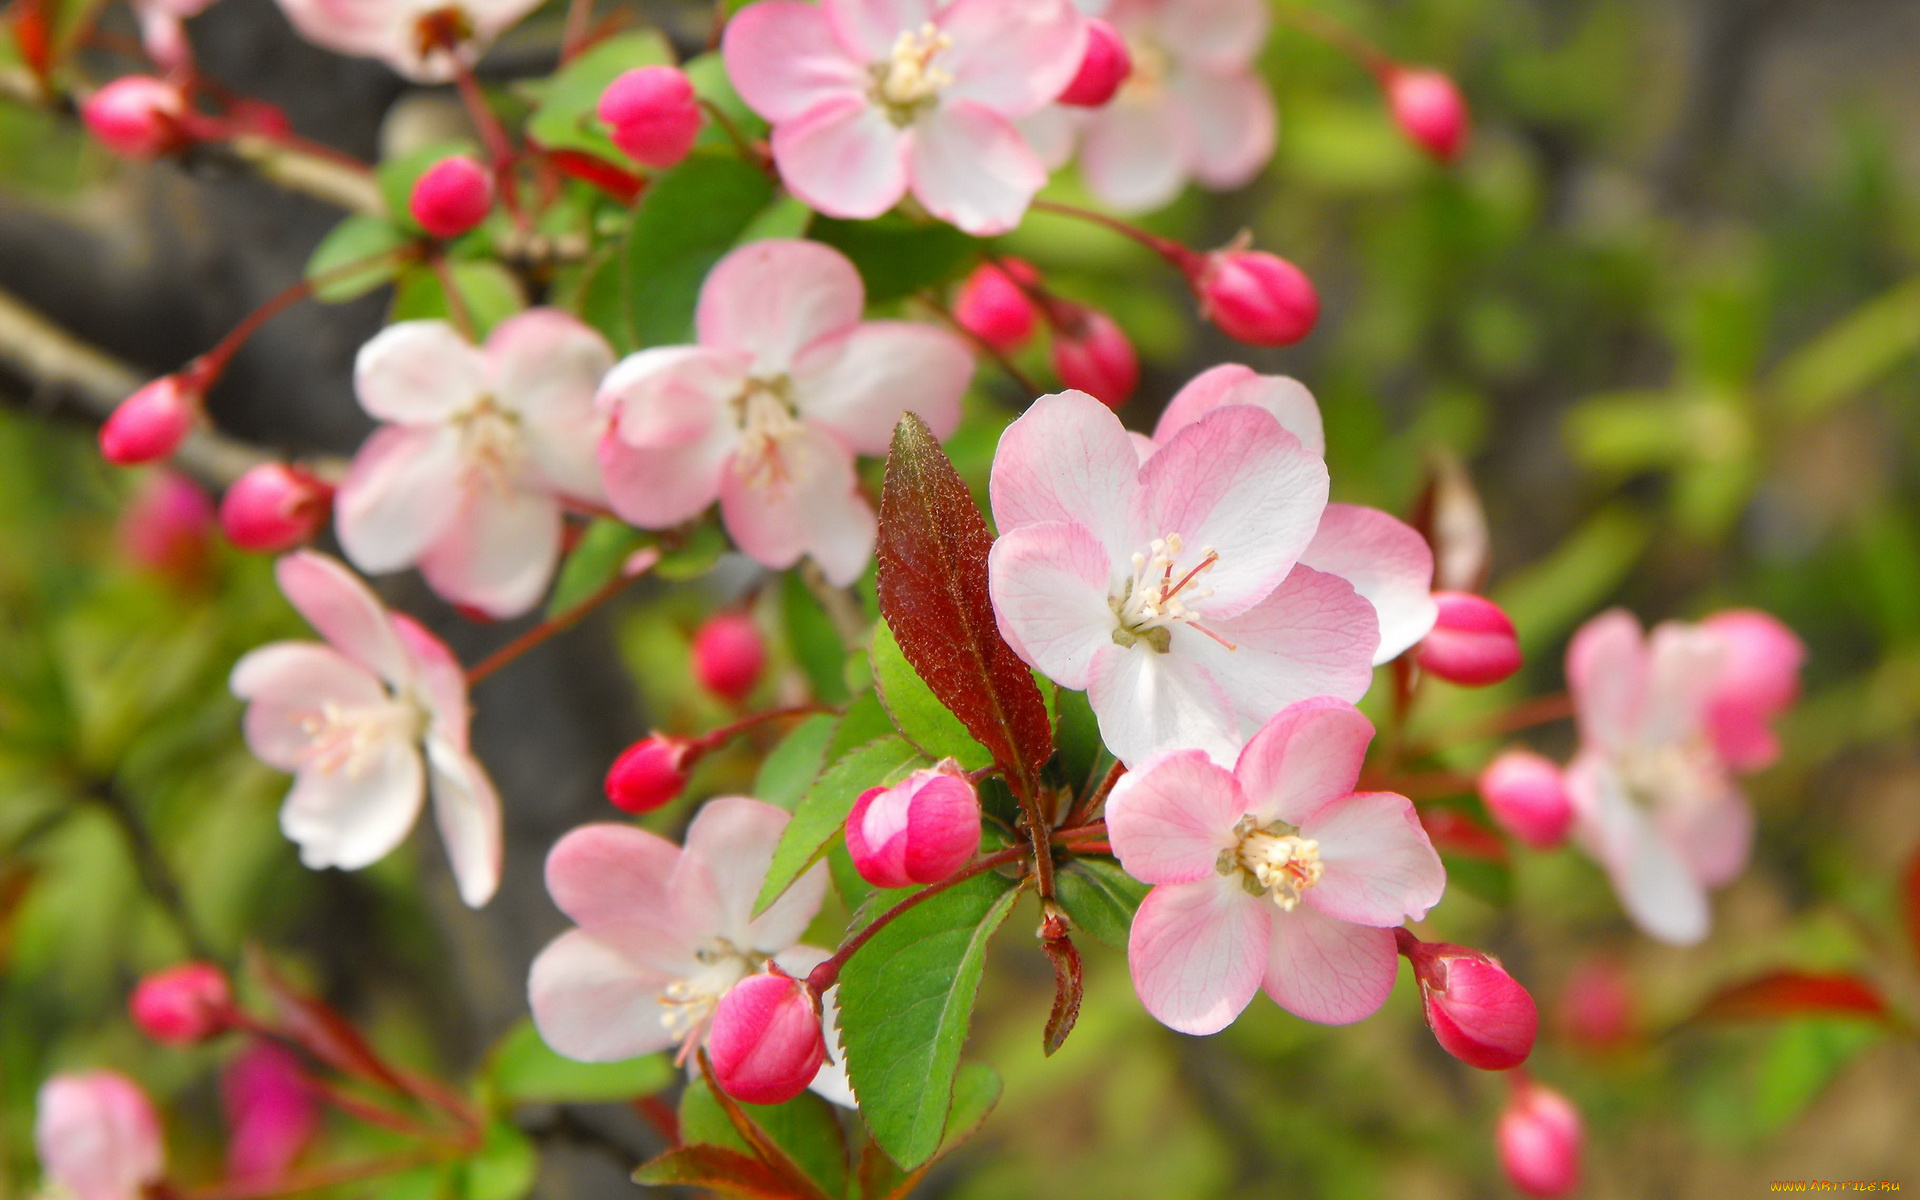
98,1137
368,725
482,450
873,99
767,412
1275,875
418,38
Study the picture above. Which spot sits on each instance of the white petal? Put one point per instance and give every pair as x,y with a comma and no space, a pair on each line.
399,495
467,809
593,1004
1049,584
499,552
970,166
353,819
1148,702
418,373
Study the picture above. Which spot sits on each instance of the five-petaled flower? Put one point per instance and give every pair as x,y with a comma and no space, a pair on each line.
1274,875
368,725
766,413
482,450
1172,590
871,99
425,40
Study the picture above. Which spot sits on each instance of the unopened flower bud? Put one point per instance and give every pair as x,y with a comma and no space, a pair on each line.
652,114
98,1136
183,1005
138,116
1540,1138
767,1043
451,197
1429,110
1472,643
1478,1013
1092,354
1597,1009
166,526
1103,68
275,507
650,773
273,1111
993,307
1525,793
150,424
728,655
920,830
1257,298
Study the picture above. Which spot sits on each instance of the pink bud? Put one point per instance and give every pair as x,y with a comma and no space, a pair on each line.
1103,68
166,526
451,197
1540,1140
993,307
652,114
1759,678
272,1111
138,116
1526,795
1597,1008
150,424
1472,643
1429,110
766,1043
1257,298
728,655
275,507
1478,1013
650,773
1091,353
920,830
98,1136
183,1005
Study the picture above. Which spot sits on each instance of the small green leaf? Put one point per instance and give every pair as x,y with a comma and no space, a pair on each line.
505,1167
566,117
685,221
821,815
523,1070
1100,897
789,769
488,290
906,999
916,713
805,1128
595,561
699,549
786,217
354,240
898,256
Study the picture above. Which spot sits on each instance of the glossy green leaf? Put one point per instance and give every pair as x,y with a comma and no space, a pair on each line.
355,240
1100,897
790,767
594,562
687,218
916,712
821,816
488,291
898,256
504,1169
565,118
523,1070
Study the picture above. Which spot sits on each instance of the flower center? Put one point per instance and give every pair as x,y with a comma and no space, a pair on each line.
1658,775
1151,64
767,420
1275,861
909,80
492,444
686,1005
349,738
442,28
1155,599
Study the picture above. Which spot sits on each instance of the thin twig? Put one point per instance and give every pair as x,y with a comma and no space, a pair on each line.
156,876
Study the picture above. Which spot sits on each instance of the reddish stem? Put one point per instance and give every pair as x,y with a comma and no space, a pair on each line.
456,303
661,1115
547,628
579,25
494,134
726,733
982,345
1188,261
207,368
1090,804
375,1114
1340,37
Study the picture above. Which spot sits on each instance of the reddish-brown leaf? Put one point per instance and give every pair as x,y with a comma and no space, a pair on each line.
933,593
1910,896
1454,832
33,35
322,1032
726,1172
1067,986
1782,994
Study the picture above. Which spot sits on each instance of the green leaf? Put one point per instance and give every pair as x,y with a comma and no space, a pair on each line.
505,1167
699,548
566,116
916,713
789,769
822,813
523,1070
685,221
786,217
354,240
906,999
898,256
814,641
488,290
1077,739
1100,897
1547,598
805,1128
1851,355
594,562
708,75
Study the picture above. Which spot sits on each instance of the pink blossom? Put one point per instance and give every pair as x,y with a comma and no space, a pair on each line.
98,1137
481,449
421,39
767,1043
1193,107
1759,679
766,413
1541,1137
138,116
368,724
163,31
166,526
1276,875
1655,801
1171,590
664,933
272,1111
873,99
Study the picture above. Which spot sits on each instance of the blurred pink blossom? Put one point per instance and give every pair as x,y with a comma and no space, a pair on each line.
417,38
98,1136
168,525
272,1112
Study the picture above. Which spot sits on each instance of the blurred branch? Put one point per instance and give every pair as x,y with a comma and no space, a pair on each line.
156,876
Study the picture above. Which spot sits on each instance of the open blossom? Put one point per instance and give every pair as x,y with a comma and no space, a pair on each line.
766,413
1193,107
1171,591
1653,793
163,30
664,932
98,1137
872,99
1276,875
418,38
481,447
368,724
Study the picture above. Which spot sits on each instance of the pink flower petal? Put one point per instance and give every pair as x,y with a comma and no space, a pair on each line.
670,397
1197,951
783,59
1684,663
1068,458
1388,562
439,678
604,875
1654,884
771,299
1213,33
394,502
868,28
1380,867
1135,153
285,684
499,553
807,502
594,1004
1012,56
859,383
467,810
1759,679
729,848
1231,383
1326,970
336,602
1170,820
1049,584
418,373
971,167
1230,125
657,489
1147,702
1305,758
1712,831
353,819
843,158
1607,672
547,367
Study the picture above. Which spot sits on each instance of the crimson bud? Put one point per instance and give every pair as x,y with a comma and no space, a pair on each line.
183,1005
1478,1013
767,1043
993,307
920,830
1257,298
1525,793
652,114
1429,110
1472,643
451,197
1540,1138
275,507
138,116
1103,68
150,424
728,655
650,773
1092,354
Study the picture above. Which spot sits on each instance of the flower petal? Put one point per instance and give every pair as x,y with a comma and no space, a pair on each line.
1068,458
1607,672
806,503
1231,383
671,397
339,604
547,367
593,1004
604,875
1170,820
783,59
1230,125
1197,951
439,678
970,166
353,819
730,844
1148,702
1217,33
1654,884
1712,832
772,299
394,502
1049,583
1135,154
869,28
418,373
1388,562
1308,756
1329,971
1380,867
859,383
1012,56
843,158
1684,666
467,810
499,553
660,488
285,684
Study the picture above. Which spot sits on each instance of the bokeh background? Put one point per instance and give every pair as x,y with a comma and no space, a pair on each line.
1666,311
